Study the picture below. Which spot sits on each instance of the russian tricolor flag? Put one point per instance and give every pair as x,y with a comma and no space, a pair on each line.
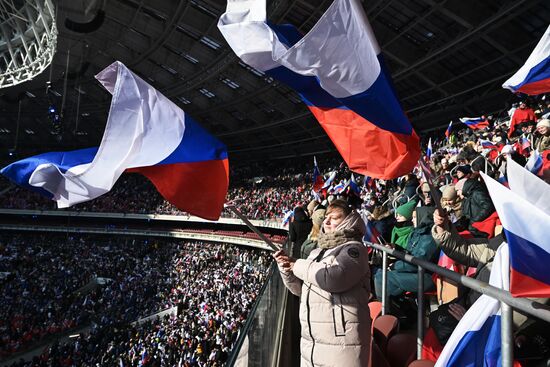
522,145
448,131
371,233
145,133
287,217
524,211
318,181
339,72
339,188
476,342
486,144
429,149
327,186
368,182
535,163
353,185
475,122
534,76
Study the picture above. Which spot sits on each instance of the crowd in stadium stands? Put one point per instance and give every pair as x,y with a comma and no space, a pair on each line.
399,212
463,237
99,287
257,193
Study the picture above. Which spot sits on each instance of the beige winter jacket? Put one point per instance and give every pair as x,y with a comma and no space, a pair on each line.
334,313
468,252
472,252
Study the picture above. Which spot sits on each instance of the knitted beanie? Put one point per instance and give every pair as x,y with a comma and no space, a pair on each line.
449,193
311,206
318,216
407,209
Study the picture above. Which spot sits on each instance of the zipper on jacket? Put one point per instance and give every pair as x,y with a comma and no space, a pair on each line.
309,325
317,259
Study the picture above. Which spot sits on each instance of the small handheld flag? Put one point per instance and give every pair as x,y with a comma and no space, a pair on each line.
448,131
487,144
534,163
318,181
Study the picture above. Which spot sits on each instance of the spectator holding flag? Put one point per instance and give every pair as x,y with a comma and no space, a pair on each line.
335,277
404,276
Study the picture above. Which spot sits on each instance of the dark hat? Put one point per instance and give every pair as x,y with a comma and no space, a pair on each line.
465,169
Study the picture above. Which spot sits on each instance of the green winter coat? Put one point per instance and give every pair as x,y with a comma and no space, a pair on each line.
421,245
308,246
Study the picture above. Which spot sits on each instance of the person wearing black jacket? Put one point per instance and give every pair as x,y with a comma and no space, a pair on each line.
299,230
476,205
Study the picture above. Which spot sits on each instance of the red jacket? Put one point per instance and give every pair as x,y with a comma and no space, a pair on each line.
520,116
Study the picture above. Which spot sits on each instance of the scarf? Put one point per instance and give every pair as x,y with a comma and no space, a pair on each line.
351,229
400,235
331,240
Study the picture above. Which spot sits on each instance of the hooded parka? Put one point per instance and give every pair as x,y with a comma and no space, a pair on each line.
334,288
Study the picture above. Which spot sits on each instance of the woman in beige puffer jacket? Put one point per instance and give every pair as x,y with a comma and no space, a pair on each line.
334,288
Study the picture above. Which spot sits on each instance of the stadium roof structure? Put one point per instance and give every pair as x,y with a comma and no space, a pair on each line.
448,58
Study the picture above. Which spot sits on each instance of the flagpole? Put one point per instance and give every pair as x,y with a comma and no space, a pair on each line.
506,335
253,227
435,193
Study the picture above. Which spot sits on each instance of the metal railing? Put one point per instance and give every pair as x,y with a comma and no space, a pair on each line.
508,303
258,343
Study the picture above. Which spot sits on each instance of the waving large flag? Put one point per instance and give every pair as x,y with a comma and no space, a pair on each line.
534,76
339,72
475,342
524,210
145,133
475,122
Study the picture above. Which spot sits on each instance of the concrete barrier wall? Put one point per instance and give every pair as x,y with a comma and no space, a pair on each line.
135,232
177,218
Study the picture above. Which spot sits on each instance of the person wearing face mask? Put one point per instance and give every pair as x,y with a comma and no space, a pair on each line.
334,288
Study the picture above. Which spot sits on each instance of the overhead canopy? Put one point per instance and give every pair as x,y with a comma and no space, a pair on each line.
448,59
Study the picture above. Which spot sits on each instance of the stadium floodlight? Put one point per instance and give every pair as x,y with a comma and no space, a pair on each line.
28,38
